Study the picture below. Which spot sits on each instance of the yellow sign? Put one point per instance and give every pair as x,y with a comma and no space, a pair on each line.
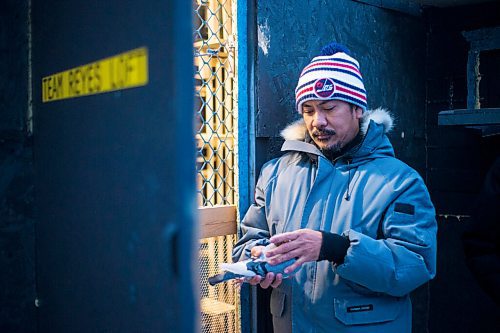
122,71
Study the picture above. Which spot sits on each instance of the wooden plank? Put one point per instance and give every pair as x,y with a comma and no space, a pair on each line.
217,221
473,79
483,39
487,116
214,307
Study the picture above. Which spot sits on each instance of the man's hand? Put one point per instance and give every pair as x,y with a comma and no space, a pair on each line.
270,279
303,244
256,251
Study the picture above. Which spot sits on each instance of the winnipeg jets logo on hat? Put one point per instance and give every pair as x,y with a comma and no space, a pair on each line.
324,88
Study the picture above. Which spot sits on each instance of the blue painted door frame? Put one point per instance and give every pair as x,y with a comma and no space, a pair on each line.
247,41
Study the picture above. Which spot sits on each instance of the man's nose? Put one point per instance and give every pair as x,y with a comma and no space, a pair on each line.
319,120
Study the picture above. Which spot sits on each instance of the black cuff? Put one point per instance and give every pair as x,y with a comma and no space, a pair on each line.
333,247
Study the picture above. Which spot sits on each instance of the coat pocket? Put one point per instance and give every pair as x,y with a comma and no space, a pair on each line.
278,299
361,310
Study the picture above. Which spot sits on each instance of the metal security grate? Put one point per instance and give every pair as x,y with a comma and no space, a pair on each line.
215,102
220,303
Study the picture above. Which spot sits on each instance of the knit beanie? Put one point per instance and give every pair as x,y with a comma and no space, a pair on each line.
334,74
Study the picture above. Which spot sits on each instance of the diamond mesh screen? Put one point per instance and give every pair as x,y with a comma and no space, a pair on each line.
214,49
220,303
215,101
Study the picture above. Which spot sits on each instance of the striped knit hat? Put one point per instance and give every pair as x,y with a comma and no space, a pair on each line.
332,75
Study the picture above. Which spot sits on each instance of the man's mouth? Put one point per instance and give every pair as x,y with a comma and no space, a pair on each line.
323,135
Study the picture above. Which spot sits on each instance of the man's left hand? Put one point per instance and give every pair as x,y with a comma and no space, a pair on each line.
303,244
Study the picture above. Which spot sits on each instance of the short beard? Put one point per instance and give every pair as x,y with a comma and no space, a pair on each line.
334,149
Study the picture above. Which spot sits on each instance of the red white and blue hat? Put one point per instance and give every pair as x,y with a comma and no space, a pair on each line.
332,75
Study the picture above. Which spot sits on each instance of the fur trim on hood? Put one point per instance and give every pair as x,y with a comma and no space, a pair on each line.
297,130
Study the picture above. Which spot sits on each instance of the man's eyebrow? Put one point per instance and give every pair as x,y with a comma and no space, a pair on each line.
320,103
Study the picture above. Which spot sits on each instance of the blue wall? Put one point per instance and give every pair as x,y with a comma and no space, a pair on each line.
389,45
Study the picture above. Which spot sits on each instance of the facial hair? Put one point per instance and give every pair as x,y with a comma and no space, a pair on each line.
325,131
335,148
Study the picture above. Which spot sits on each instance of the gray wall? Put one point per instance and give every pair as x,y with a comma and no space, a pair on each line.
391,49
17,278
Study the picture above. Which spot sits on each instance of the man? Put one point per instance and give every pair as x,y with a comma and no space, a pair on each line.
359,222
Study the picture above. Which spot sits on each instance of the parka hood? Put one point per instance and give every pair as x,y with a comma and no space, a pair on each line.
297,130
374,126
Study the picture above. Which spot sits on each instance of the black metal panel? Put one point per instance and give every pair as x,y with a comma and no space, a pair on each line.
447,90
115,172
17,220
457,303
457,162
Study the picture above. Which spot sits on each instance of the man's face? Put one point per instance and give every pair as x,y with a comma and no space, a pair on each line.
331,123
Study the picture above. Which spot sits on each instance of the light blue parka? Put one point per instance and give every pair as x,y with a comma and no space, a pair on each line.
377,201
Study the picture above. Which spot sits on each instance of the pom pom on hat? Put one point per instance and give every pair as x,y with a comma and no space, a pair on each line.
333,48
332,75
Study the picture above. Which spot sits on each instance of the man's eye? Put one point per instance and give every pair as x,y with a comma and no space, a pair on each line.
329,109
307,110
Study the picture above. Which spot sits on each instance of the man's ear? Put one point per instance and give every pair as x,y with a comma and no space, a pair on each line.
358,112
